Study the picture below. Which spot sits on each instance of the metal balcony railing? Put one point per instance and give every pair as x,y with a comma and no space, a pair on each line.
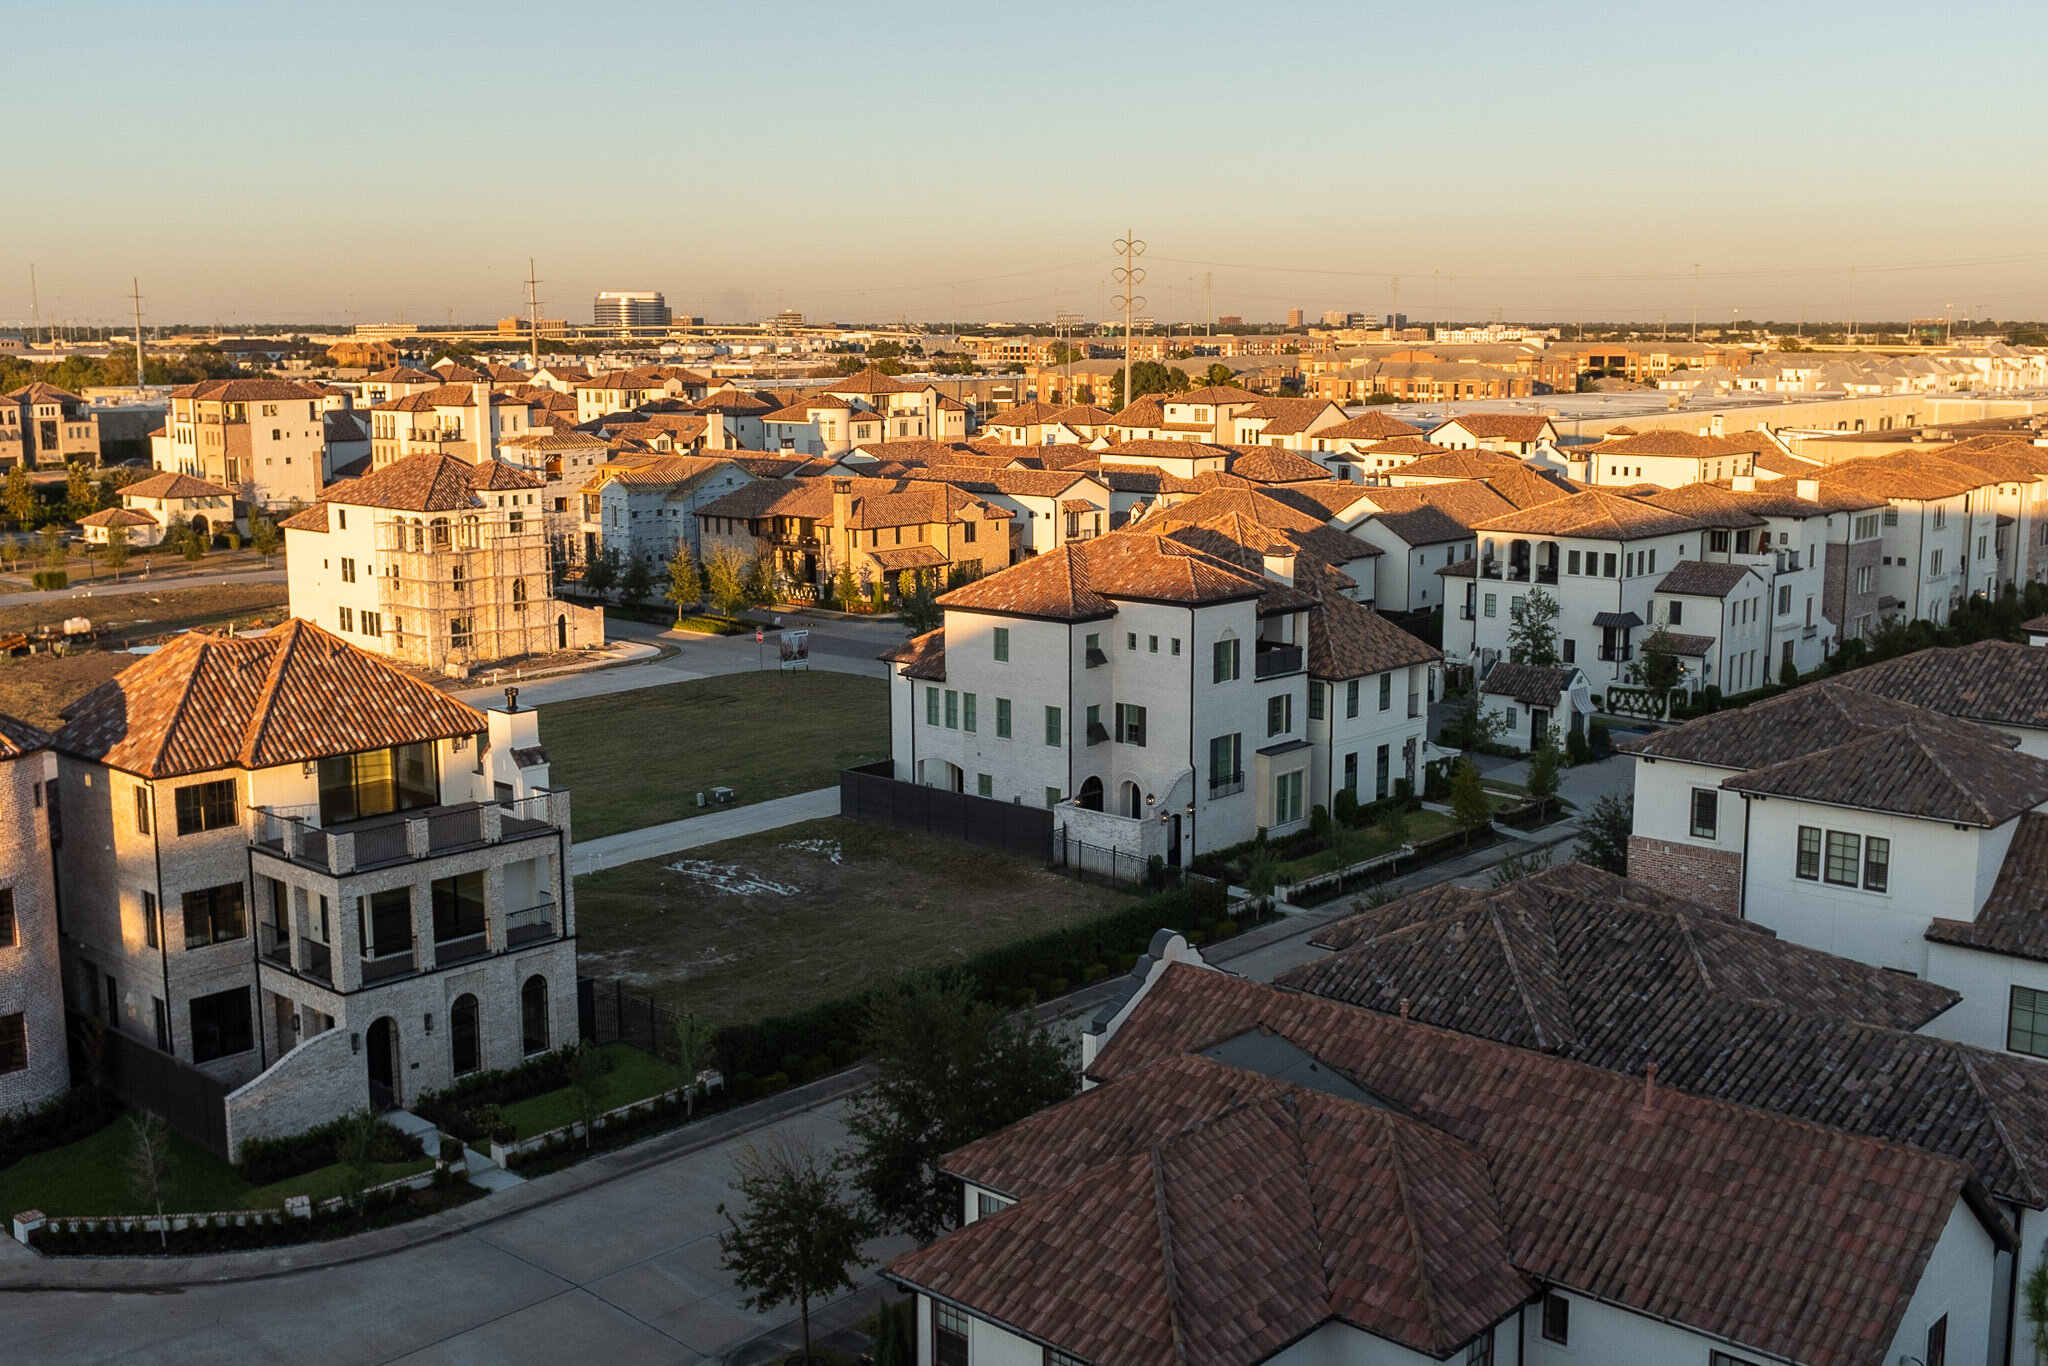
387,965
1224,784
1270,661
531,924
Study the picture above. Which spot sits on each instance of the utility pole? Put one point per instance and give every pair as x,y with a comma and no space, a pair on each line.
1695,301
1130,275
135,293
35,305
1852,305
1436,298
533,313
1208,303
1394,313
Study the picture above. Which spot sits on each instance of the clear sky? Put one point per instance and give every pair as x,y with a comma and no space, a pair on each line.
974,162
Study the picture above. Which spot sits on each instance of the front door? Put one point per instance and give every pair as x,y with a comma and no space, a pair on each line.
383,1062
1539,726
1173,849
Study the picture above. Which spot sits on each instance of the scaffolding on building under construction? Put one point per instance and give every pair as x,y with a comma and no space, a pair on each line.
464,589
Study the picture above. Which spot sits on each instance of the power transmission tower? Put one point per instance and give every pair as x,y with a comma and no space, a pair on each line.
1208,303
1695,301
533,313
1130,275
35,304
135,293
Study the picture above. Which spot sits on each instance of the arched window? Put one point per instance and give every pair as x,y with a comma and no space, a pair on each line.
439,528
519,595
533,1015
419,541
465,1035
471,531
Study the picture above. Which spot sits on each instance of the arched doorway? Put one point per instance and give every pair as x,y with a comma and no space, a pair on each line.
1091,795
533,1016
200,525
465,1036
1131,800
562,632
383,1064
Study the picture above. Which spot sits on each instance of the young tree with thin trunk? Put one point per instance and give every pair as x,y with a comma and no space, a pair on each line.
19,499
263,536
1469,806
588,1084
726,575
117,550
1532,630
151,1166
800,1232
685,585
694,1053
637,581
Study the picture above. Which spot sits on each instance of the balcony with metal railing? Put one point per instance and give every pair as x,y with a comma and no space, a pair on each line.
532,924
296,835
1273,659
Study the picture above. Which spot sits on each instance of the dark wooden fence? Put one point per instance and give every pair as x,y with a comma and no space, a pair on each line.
872,795
186,1098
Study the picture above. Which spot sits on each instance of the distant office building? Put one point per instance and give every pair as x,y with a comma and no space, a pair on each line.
626,309
1338,317
1229,321
519,327
789,317
1397,320
1294,317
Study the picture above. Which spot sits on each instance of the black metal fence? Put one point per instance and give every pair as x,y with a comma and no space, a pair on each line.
607,1013
1115,867
187,1099
871,794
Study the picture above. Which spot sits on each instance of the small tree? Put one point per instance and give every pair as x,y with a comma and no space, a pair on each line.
1658,666
725,576
845,588
20,496
1604,834
355,1149
1469,806
684,586
693,1054
117,550
2035,1291
601,575
53,546
1532,630
800,1232
193,542
1393,824
637,581
1788,673
1544,775
81,498
151,1166
1518,865
263,536
588,1084
921,611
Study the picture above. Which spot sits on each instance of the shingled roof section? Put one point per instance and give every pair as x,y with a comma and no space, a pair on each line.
921,657
204,703
431,481
1703,579
1650,1208
1077,581
173,485
1814,717
2012,921
1939,777
1595,514
1175,1238
1993,682
1368,426
1532,685
18,737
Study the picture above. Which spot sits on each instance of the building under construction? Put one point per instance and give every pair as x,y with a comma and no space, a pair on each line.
474,588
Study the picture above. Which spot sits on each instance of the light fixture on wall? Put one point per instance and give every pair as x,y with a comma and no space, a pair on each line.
306,769
355,1043
430,1022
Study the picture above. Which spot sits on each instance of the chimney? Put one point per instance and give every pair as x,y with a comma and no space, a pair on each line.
1280,564
486,437
842,506
1650,1088
1743,483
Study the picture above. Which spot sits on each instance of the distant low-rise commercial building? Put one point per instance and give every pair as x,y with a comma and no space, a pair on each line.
626,310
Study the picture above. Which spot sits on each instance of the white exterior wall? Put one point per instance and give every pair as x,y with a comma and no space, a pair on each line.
314,567
1663,810
1604,1335
1937,872
1905,570
31,978
1961,1281
1986,981
1338,734
1405,576
1580,597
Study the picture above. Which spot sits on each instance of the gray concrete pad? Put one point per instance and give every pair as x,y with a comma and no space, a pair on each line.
571,1327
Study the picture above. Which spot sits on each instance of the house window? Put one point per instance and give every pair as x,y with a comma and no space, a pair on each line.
1784,600
1937,1343
1176,647
1286,797
141,810
967,711
1809,853
465,1035
1608,572
206,806
458,906
214,915
1382,764
377,782
13,1042
986,1204
220,1025
1706,812
348,618
1877,864
348,570
1480,1353
1055,1357
1863,578
373,622
1226,764
1052,797
1677,613
1002,645
1130,642
1052,725
1723,1359
949,1336
1351,699
952,710
1315,701
152,920
2027,1026
1386,691
1843,851
1491,606
9,934
1571,562
931,706
1571,650
1279,713
1226,661
984,785
1002,718
1130,724
1557,1318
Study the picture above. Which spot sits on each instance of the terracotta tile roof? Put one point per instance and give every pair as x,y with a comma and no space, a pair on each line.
1930,776
1593,515
1080,415
1881,479
1993,682
1320,500
1466,503
497,476
1146,449
921,657
1719,505
1530,684
206,702
1347,640
1649,1208
1806,720
1213,394
1407,445
1201,1250
1140,412
1526,487
1704,579
549,443
1271,465
249,390
118,517
18,737
1667,443
2012,920
313,518
41,391
170,485
1023,483
403,374
1252,521
1288,416
343,427
1498,426
1369,426
1078,581
1031,414
431,481
868,381
895,559
1579,962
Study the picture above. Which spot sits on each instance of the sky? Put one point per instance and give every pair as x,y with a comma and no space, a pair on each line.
974,162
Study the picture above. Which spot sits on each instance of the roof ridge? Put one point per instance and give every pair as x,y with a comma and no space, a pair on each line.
1515,971
206,641
1173,1314
1692,946
2005,1139
289,637
1308,1185
1928,751
1397,1164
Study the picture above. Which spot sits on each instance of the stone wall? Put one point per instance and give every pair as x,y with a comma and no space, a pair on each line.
31,981
310,1085
1712,877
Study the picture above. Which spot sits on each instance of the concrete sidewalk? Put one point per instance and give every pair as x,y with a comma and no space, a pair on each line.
156,583
720,823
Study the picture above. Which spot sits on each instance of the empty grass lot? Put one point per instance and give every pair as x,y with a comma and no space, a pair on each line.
634,1076
775,922
640,758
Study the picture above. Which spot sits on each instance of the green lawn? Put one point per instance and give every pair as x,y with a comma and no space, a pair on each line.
1422,825
634,1076
775,922
89,1177
640,758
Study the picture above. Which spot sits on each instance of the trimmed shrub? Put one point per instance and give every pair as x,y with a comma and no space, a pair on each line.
50,580
268,1160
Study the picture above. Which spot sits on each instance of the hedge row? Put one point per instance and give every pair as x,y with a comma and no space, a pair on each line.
266,1161
452,1110
1006,975
257,1230
78,1113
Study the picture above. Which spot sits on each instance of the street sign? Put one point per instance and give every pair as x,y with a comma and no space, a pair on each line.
759,636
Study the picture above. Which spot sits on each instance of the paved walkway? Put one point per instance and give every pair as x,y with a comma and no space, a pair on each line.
156,583
722,823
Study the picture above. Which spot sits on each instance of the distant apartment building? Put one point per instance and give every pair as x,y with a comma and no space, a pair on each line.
50,427
435,562
625,310
33,1060
265,439
466,420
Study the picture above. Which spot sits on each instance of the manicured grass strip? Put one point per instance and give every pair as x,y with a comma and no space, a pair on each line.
325,1181
634,1076
90,1177
1422,825
640,758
